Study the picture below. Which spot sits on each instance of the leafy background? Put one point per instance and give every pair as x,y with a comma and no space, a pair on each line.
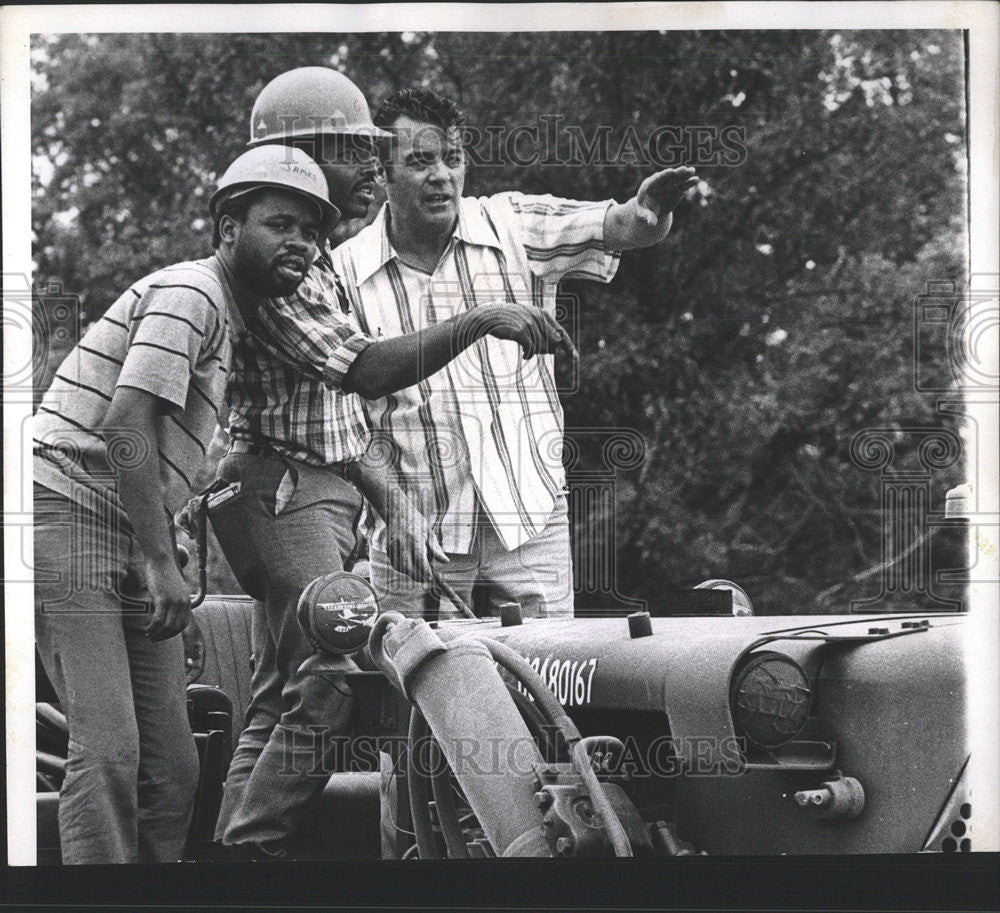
775,323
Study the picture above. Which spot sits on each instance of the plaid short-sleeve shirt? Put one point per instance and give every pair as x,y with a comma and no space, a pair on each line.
488,427
288,367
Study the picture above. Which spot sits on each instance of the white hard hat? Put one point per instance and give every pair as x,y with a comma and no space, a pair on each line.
283,167
310,101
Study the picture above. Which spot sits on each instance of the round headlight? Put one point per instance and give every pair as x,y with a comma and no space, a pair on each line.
336,612
770,699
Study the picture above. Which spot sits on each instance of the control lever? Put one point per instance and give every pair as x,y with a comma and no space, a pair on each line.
447,590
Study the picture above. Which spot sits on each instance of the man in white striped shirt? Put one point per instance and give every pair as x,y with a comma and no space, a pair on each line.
478,443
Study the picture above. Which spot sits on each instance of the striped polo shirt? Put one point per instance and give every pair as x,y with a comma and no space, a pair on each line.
167,335
486,429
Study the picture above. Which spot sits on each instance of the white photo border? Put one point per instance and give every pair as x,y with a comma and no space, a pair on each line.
17,24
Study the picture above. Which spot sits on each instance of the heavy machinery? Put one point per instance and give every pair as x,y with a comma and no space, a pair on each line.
636,736
618,736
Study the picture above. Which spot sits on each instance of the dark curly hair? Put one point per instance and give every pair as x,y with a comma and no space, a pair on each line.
421,104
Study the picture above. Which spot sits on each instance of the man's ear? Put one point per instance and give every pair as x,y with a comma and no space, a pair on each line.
229,228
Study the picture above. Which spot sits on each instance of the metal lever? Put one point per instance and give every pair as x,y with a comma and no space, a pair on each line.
447,590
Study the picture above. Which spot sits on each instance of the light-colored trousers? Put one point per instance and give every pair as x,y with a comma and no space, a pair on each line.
132,769
538,575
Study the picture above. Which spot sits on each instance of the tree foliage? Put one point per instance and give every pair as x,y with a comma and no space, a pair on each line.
775,323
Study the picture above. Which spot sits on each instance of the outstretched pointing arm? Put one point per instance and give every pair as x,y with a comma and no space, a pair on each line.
646,218
392,364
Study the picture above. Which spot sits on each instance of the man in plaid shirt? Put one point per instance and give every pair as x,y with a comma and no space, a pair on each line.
298,435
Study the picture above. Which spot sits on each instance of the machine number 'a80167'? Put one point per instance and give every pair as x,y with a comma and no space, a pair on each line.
570,680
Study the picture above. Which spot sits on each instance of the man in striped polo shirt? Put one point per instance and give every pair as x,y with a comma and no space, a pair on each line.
117,439
478,444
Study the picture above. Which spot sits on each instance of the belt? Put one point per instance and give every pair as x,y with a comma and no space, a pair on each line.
255,448
252,448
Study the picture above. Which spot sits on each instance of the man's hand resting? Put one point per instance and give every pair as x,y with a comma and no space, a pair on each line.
171,599
411,545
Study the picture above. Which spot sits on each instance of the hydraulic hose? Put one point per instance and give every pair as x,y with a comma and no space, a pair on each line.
553,711
444,801
451,825
547,734
518,666
416,783
465,702
546,702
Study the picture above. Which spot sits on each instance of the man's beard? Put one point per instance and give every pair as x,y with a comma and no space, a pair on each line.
275,286
269,282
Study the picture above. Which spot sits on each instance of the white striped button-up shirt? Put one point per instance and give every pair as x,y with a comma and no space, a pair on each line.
487,429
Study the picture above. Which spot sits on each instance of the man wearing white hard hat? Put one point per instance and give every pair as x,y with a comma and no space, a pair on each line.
299,439
117,439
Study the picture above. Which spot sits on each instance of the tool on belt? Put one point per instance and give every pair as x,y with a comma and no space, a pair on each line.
193,523
222,504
